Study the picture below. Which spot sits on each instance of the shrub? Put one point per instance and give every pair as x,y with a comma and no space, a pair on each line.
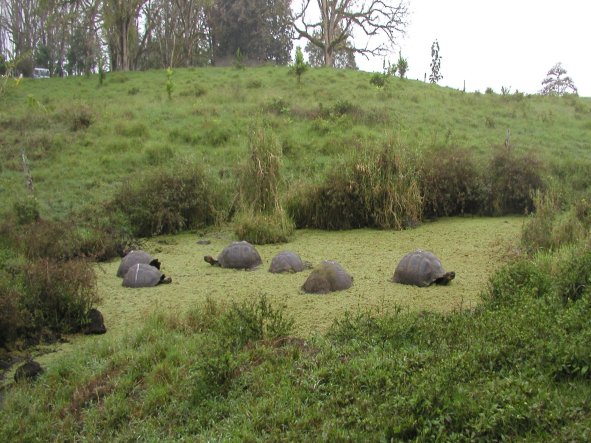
521,278
513,179
168,201
51,240
252,321
452,184
277,105
260,229
26,210
11,316
58,295
378,80
375,189
551,227
79,117
573,276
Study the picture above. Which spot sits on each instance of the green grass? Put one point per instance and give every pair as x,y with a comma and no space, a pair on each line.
134,127
221,355
515,369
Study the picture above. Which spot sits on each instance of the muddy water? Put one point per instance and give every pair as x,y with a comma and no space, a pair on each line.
472,247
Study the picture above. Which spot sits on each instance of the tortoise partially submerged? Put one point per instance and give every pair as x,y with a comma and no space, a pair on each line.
421,268
238,255
328,276
142,275
287,261
133,258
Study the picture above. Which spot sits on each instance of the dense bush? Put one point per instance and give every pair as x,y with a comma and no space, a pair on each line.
375,189
551,226
452,184
168,201
58,296
513,180
11,315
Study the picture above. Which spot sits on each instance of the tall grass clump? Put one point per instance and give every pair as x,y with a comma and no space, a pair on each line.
513,179
261,218
58,296
452,183
377,188
169,201
553,225
46,285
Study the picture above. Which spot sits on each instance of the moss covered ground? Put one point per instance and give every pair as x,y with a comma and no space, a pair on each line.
472,247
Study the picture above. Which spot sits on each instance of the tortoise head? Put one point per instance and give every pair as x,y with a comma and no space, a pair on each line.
165,280
155,263
212,261
445,278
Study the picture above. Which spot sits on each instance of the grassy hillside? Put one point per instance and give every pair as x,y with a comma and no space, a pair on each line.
82,141
501,354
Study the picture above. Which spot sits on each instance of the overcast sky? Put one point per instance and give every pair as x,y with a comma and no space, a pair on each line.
500,43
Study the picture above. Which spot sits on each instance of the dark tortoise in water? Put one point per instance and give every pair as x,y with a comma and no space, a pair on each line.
142,275
133,258
421,268
287,261
328,276
238,255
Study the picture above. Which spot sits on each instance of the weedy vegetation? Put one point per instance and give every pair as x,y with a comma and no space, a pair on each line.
87,173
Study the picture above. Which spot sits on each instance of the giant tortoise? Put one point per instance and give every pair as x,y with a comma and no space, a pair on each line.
133,258
287,261
421,268
238,255
142,275
328,276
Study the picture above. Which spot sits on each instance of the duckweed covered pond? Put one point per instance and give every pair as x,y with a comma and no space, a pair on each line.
472,247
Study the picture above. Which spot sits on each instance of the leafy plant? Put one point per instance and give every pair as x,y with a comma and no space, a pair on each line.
169,82
299,66
402,66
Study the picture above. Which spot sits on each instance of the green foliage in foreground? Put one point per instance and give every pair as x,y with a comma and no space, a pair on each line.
517,368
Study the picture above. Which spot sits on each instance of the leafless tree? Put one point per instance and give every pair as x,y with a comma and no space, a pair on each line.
328,24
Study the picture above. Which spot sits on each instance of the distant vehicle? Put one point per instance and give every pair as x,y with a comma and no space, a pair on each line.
40,73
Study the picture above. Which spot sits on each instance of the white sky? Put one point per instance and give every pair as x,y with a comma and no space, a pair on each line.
500,43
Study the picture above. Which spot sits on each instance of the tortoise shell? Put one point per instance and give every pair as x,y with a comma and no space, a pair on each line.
286,261
133,258
421,268
239,255
328,276
142,275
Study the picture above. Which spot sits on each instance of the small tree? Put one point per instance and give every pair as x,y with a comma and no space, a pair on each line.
402,66
299,66
555,83
435,63
169,82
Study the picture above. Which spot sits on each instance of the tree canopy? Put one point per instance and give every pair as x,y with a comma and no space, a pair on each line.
557,83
